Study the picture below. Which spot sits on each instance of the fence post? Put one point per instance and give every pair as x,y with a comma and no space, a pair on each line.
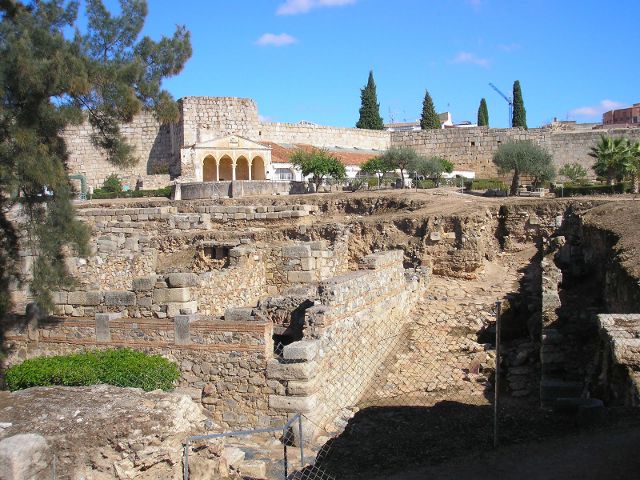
497,379
285,439
301,440
185,461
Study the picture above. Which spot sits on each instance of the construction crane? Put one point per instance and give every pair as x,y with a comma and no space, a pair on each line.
509,101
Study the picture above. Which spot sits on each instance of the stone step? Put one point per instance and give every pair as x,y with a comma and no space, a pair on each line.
234,456
552,388
575,404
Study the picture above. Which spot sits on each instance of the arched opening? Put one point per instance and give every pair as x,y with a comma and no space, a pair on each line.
209,173
226,169
242,169
257,169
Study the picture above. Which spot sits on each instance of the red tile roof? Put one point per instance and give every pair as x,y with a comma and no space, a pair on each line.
351,157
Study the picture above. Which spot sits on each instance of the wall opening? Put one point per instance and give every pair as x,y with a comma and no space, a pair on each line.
209,173
242,169
257,169
226,169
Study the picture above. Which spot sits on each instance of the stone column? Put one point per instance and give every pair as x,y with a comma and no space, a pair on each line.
233,169
250,163
217,170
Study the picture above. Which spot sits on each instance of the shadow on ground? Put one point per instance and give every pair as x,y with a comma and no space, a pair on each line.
380,442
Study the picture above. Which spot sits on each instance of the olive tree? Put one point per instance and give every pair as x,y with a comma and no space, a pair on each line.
524,158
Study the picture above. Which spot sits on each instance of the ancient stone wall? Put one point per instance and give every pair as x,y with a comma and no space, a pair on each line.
208,118
329,370
222,363
327,137
473,148
155,149
307,262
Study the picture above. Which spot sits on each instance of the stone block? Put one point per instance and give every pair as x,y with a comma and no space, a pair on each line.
301,277
25,456
176,308
253,469
103,330
177,280
59,298
296,251
302,350
308,263
170,295
293,404
181,328
242,314
92,298
143,284
300,387
119,298
291,371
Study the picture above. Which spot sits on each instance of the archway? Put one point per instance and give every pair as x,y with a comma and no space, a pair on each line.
257,169
226,169
209,173
242,169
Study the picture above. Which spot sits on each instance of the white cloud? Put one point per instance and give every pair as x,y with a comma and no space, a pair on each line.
295,7
509,47
596,110
471,59
273,40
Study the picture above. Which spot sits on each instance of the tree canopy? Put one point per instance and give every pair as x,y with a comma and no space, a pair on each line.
49,79
483,114
432,167
318,163
524,157
429,120
399,158
519,112
613,156
573,171
369,107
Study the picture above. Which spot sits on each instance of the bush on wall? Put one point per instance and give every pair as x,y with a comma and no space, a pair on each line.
122,368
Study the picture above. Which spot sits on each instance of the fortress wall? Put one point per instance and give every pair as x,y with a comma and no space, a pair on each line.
324,136
153,148
473,148
208,118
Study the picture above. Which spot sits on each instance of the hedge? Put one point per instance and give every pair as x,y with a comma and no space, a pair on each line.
570,189
485,184
122,368
100,193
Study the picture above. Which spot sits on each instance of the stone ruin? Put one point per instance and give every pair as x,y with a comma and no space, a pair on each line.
276,307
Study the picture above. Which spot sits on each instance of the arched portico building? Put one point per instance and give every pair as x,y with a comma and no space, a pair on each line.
229,159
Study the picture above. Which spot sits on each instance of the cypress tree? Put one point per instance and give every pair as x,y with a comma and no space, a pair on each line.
369,107
519,112
483,114
429,119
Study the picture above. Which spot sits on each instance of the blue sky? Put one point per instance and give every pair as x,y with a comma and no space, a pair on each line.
308,59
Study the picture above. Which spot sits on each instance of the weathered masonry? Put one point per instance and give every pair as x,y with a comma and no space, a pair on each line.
222,139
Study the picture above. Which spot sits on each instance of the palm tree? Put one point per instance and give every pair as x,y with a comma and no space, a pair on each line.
632,164
612,155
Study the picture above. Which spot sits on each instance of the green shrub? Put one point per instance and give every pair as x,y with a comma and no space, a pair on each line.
486,184
112,184
100,194
426,184
122,368
573,189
